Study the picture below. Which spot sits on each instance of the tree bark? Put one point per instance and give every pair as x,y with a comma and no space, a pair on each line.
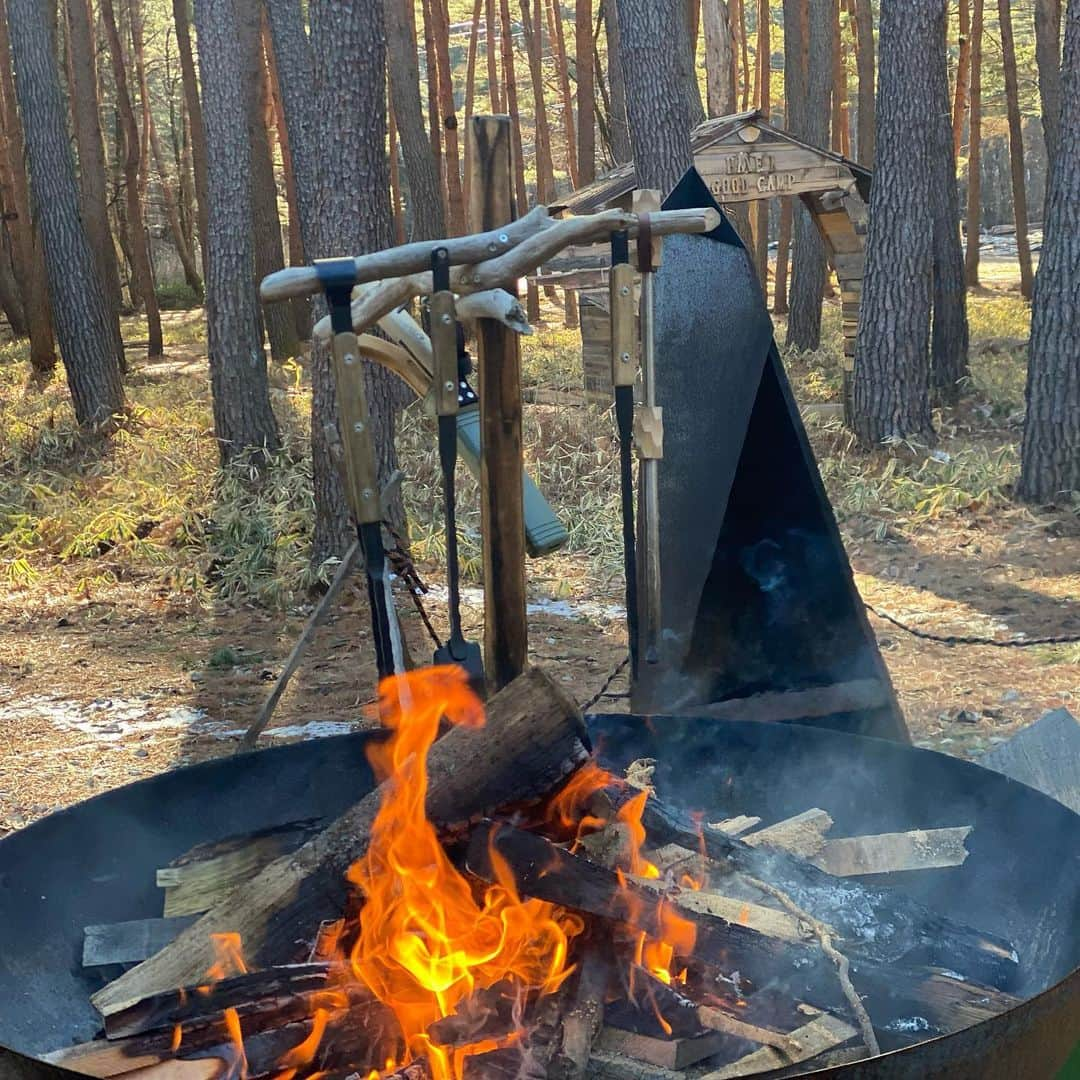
1016,148
974,186
276,319
1048,59
506,39
182,23
352,119
425,186
656,99
168,195
134,166
586,94
810,121
839,83
949,334
619,124
243,419
719,57
432,79
1050,456
562,70
687,51
738,23
455,200
92,176
865,134
764,99
396,205
28,251
79,308
963,77
892,369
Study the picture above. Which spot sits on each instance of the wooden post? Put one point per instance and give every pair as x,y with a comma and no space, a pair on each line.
499,362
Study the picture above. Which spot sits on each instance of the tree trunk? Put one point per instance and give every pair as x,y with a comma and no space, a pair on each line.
470,98
586,95
301,307
656,99
764,99
455,200
194,111
738,24
562,70
1016,148
138,238
352,112
396,206
864,26
10,293
949,335
1048,59
243,418
425,186
839,83
533,30
687,51
92,175
1050,457
168,195
619,124
810,121
892,369
963,78
783,253
490,18
974,186
506,38
276,319
79,308
28,249
432,79
719,57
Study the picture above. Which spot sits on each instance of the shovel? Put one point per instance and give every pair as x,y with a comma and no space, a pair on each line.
445,384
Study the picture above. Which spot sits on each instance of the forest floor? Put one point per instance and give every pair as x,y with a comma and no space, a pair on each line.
147,602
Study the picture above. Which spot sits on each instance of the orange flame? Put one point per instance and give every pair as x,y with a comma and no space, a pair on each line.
425,942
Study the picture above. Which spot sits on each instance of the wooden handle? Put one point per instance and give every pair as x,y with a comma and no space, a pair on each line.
623,338
358,466
444,348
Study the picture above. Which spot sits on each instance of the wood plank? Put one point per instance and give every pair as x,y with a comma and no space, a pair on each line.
853,696
821,1034
675,1053
802,835
605,1065
130,942
736,826
888,853
502,509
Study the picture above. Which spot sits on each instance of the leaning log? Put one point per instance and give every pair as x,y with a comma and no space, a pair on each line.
533,739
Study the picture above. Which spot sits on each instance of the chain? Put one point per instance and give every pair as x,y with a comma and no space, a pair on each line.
615,672
953,639
401,563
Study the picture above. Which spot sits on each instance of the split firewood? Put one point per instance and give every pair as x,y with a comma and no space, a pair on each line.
881,926
606,1065
271,993
888,853
665,1053
533,739
802,835
129,942
584,1015
736,826
821,1034
199,879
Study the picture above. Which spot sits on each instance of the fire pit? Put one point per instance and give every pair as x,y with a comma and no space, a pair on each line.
1020,885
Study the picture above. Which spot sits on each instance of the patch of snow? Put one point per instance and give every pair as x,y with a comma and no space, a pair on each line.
315,729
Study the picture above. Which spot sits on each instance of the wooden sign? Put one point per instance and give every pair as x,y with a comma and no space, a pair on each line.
737,173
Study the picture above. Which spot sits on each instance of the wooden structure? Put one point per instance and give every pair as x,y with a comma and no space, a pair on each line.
742,158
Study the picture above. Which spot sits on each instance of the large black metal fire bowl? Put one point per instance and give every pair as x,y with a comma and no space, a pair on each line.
95,862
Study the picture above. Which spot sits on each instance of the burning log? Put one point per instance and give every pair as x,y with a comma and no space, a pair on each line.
675,1054
581,1022
902,927
534,737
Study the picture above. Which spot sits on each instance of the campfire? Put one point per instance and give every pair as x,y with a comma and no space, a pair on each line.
502,906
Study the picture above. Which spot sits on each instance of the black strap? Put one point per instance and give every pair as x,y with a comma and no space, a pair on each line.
338,277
